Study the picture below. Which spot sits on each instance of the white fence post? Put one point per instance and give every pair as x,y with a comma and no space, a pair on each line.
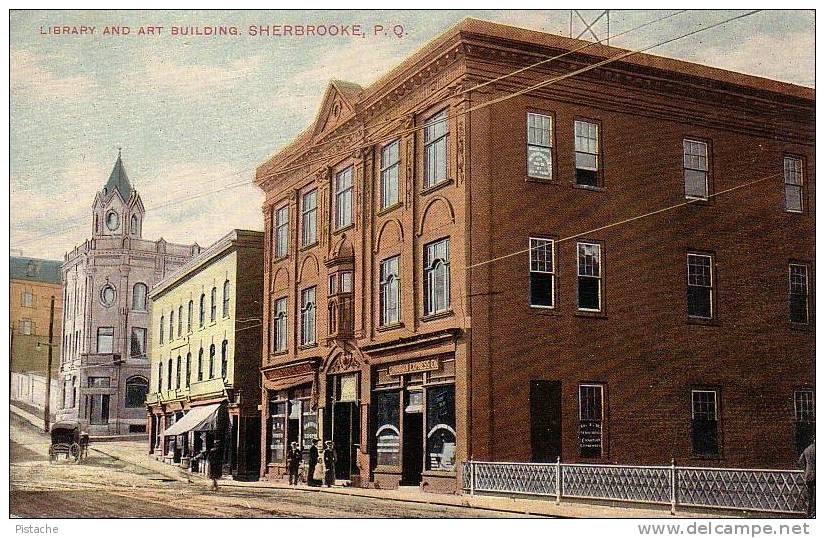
673,486
472,478
558,479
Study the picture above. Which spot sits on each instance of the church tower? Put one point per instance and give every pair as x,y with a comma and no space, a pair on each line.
118,209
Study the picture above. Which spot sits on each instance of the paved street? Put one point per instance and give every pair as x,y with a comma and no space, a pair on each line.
106,486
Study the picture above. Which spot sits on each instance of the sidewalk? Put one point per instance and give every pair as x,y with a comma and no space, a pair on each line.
541,507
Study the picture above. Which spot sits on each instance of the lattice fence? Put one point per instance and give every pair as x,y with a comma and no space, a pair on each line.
761,490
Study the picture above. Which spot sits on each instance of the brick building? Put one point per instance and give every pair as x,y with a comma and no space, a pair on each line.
104,370
454,271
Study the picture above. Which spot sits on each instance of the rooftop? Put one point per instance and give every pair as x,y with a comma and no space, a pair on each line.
36,270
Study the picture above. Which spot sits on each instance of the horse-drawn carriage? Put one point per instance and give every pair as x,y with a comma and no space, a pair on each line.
69,440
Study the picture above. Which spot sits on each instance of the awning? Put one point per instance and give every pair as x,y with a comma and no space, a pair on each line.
197,419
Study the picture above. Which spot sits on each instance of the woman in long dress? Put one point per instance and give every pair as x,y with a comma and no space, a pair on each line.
329,464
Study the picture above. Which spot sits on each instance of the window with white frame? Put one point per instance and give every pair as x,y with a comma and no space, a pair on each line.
138,342
343,198
390,164
346,281
793,184
700,285
798,292
435,149
539,145
282,232
309,224
308,316
696,168
437,277
28,299
105,339
26,326
589,261
279,325
705,422
542,273
587,153
804,418
390,291
591,409
139,292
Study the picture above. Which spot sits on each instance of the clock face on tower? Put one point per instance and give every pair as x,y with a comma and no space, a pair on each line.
112,220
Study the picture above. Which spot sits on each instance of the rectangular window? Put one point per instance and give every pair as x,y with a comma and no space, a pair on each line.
279,325
180,321
798,292
343,198
705,430
28,298
591,408
277,430
437,277
105,339
390,164
440,429
308,316
390,292
282,232
387,413
696,169
587,153
138,343
333,283
804,419
346,281
793,184
590,276
309,225
435,149
700,286
97,382
26,326
539,146
542,273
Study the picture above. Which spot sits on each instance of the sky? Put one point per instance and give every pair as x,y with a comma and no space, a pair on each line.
195,115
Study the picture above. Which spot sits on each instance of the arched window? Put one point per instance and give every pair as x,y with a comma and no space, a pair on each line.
189,317
177,374
188,368
169,375
139,296
134,226
213,308
180,321
200,365
162,319
136,389
226,299
224,359
160,376
437,277
171,325
202,318
212,361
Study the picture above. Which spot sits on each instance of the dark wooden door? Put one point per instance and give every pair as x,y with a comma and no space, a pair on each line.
545,420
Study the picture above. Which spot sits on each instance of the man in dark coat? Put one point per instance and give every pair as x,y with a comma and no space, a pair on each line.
215,459
293,461
313,463
329,464
807,460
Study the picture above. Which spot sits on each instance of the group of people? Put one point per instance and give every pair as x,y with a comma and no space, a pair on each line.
321,468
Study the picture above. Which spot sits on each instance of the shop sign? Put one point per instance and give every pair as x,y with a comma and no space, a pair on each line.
413,367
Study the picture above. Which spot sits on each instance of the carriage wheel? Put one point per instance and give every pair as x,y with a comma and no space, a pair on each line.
52,454
74,452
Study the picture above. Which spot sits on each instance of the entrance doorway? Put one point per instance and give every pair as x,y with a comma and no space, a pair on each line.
345,423
545,421
413,447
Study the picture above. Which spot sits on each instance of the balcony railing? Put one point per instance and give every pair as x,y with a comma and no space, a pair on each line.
758,490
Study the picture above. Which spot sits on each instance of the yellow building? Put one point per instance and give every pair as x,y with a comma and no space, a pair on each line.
205,353
33,282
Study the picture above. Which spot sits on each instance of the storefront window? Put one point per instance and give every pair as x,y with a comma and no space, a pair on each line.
387,433
310,425
277,437
441,428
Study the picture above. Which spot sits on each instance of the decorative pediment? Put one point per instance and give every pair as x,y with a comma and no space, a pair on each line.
337,107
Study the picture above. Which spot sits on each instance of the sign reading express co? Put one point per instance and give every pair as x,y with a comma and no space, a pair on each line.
413,367
590,438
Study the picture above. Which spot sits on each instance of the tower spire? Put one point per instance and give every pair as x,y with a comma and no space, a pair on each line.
118,180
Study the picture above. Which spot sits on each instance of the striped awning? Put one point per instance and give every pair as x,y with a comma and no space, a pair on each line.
198,419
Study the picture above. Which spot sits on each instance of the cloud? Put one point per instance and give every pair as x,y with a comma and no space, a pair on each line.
33,75
163,73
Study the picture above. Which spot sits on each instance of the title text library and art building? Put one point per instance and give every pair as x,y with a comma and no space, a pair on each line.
614,267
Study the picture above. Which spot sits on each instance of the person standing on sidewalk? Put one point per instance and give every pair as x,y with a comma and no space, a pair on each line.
215,459
329,464
313,463
293,461
807,460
